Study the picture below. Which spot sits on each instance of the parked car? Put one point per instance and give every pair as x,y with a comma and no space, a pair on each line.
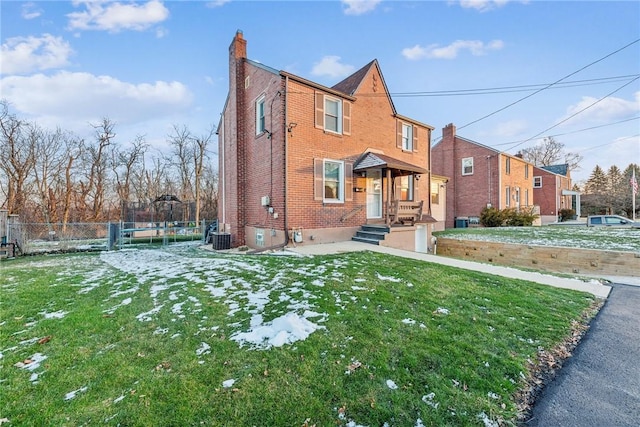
614,221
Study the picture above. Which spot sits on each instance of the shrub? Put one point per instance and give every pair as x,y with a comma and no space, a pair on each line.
510,217
491,217
567,214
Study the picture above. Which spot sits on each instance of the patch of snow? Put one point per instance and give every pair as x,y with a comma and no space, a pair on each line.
388,278
146,317
72,394
392,385
492,395
442,310
419,423
488,422
203,349
428,399
55,315
228,383
408,321
285,329
118,399
34,363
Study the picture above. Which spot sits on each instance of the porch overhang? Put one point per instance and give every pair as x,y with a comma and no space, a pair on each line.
371,160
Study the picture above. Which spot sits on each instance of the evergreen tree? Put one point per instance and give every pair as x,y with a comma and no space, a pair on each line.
627,204
615,190
595,189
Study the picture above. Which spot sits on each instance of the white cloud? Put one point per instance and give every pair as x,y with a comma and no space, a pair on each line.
434,51
607,110
30,11
217,3
481,5
510,129
359,7
27,54
116,16
331,66
70,99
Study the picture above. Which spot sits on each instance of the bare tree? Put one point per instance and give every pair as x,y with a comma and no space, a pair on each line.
200,155
16,159
551,152
124,163
92,192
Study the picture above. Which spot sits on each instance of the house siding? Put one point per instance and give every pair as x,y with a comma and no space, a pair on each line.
549,197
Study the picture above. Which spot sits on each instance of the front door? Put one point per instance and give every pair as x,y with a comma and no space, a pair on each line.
374,193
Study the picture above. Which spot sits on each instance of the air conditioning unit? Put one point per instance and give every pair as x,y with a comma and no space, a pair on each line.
264,201
221,241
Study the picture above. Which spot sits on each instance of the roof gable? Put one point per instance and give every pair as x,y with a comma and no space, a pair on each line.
354,84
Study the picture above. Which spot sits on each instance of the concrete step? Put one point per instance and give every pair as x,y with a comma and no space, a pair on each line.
371,235
375,228
365,240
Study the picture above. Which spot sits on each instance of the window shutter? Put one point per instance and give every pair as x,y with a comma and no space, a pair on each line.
399,134
346,117
415,138
319,110
318,179
348,181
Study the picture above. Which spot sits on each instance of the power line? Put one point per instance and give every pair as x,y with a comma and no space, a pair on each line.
508,89
574,114
549,85
572,132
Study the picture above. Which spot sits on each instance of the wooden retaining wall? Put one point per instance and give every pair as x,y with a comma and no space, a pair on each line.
547,258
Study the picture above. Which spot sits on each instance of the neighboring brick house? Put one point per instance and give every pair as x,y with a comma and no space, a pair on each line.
479,176
552,192
304,162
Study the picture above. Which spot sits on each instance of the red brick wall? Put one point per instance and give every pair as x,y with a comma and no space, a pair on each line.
467,195
255,164
373,125
549,197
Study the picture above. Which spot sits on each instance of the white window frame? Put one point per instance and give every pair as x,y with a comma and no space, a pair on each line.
261,124
408,187
507,166
467,162
340,181
338,118
537,182
435,193
507,195
407,137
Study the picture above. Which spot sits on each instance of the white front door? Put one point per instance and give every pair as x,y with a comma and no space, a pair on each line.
374,193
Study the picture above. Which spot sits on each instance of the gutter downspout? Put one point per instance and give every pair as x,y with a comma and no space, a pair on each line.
222,176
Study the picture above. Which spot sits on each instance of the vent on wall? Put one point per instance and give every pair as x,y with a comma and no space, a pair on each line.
247,82
260,238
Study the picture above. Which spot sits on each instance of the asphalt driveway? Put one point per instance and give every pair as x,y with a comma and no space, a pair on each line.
600,384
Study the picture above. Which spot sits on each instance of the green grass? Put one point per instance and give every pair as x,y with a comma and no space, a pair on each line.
600,238
381,319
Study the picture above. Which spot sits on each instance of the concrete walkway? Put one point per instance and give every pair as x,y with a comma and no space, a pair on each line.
594,287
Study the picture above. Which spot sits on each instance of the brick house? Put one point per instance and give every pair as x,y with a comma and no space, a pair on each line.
479,176
304,163
552,192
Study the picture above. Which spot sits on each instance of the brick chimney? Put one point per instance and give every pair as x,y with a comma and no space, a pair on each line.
449,132
238,116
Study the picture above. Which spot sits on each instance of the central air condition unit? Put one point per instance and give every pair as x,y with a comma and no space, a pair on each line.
221,241
264,201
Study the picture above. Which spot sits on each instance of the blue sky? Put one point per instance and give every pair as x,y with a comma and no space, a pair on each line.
149,65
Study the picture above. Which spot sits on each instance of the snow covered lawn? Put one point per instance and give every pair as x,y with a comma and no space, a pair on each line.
584,237
180,336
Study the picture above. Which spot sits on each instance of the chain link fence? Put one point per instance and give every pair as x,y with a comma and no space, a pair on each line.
35,238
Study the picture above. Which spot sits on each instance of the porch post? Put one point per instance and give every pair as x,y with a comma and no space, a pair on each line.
388,204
